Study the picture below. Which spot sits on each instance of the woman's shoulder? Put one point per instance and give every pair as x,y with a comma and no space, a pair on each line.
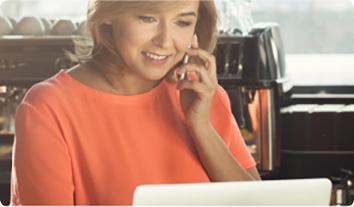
51,90
221,98
220,111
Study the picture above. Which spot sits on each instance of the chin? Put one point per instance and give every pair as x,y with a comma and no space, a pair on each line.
152,76
155,75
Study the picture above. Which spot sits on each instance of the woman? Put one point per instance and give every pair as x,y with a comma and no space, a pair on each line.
91,134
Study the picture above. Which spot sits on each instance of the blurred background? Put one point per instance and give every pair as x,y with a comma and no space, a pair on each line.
318,34
287,66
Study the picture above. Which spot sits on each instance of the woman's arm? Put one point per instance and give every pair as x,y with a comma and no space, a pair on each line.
223,162
216,157
41,173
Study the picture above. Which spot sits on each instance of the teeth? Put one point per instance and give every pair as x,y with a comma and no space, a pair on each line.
155,57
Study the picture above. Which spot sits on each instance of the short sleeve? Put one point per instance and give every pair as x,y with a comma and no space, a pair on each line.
225,124
41,173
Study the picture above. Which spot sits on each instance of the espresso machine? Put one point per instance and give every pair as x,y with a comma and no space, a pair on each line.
251,68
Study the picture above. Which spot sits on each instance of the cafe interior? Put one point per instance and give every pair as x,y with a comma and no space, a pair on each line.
287,67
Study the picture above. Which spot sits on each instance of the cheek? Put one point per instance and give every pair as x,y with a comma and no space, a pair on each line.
184,39
182,43
129,37
129,40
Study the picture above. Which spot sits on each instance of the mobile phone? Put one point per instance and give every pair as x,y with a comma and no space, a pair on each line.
183,76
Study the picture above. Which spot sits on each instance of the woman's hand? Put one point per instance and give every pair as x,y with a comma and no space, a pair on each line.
197,91
196,96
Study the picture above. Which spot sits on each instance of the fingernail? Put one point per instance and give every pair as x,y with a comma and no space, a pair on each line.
193,76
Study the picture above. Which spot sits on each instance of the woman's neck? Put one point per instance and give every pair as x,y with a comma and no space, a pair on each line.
127,84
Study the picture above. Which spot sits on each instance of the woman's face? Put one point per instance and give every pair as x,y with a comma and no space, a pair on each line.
152,43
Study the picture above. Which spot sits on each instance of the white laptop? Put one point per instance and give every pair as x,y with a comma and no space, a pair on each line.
271,192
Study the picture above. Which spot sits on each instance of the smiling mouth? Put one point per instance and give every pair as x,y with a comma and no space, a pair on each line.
155,56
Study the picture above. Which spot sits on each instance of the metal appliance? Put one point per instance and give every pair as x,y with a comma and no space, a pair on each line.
252,70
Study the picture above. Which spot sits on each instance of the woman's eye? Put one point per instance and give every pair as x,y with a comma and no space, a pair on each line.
147,19
184,23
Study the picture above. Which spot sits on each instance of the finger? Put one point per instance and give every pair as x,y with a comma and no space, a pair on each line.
171,76
202,74
209,62
195,86
195,43
207,58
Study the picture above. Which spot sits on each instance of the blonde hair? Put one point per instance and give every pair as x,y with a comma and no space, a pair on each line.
104,54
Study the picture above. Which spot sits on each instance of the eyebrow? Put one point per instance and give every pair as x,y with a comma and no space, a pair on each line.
187,14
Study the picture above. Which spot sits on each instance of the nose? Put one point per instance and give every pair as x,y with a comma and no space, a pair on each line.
163,38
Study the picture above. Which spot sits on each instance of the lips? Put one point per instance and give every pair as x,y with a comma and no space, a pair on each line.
155,58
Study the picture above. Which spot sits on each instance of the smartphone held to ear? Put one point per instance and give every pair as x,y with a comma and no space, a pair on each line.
183,76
